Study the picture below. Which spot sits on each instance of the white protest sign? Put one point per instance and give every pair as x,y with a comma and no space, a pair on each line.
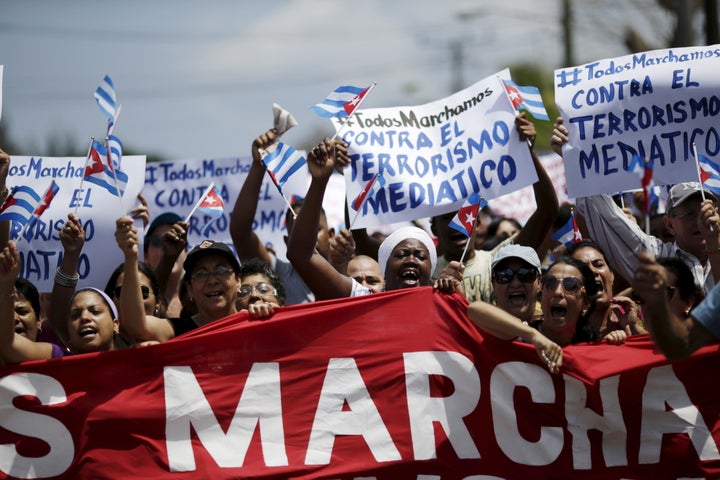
97,209
521,204
433,156
1,77
653,104
176,186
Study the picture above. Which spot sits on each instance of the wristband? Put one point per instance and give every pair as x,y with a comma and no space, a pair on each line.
65,280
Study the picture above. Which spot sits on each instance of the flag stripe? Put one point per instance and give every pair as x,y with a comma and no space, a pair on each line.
334,104
283,162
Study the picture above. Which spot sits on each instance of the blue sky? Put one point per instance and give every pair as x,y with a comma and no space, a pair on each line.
198,79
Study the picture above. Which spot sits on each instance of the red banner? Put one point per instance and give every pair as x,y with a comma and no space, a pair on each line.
398,385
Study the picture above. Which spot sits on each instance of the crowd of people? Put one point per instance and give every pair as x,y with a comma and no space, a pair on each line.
617,282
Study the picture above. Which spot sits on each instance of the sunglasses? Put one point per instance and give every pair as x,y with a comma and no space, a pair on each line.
505,275
144,289
639,300
570,285
263,289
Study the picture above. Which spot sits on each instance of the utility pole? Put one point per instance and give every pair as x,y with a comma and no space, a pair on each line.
569,60
712,33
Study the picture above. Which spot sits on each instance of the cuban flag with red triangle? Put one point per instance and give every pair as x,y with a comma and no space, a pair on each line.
464,220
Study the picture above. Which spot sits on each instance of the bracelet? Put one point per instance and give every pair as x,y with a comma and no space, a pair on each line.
65,280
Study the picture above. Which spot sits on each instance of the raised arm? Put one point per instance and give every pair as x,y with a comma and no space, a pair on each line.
4,170
319,275
14,348
675,336
246,242
72,237
535,230
709,226
168,272
134,323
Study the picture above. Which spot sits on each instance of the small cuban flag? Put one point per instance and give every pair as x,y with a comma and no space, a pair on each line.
342,101
211,204
568,233
527,98
375,183
464,220
709,174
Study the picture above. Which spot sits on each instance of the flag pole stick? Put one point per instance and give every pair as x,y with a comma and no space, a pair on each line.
356,107
82,179
197,204
112,169
697,165
467,244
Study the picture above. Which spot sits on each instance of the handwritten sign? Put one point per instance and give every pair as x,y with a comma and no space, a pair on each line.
433,156
654,104
40,247
176,186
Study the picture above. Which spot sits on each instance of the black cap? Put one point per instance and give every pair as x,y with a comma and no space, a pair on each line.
210,247
167,218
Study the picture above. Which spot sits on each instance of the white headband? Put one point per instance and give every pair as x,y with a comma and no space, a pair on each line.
392,241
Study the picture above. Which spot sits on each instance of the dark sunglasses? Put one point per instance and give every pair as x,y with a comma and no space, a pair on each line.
639,300
569,284
505,275
144,289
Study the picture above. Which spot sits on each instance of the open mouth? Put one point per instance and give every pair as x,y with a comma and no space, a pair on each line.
558,312
19,329
214,294
87,331
410,275
517,298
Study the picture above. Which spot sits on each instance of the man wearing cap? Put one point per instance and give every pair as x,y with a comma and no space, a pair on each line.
516,281
691,218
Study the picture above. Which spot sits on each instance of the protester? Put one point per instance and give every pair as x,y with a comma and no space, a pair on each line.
261,290
154,301
134,288
248,245
406,257
164,257
503,227
363,268
476,273
367,272
568,288
608,312
694,223
170,257
516,281
91,321
679,319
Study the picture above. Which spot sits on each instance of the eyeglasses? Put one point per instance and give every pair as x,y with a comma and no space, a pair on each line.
506,275
155,240
570,285
222,272
263,289
640,301
143,288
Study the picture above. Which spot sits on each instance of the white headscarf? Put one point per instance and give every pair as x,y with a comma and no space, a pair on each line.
392,241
